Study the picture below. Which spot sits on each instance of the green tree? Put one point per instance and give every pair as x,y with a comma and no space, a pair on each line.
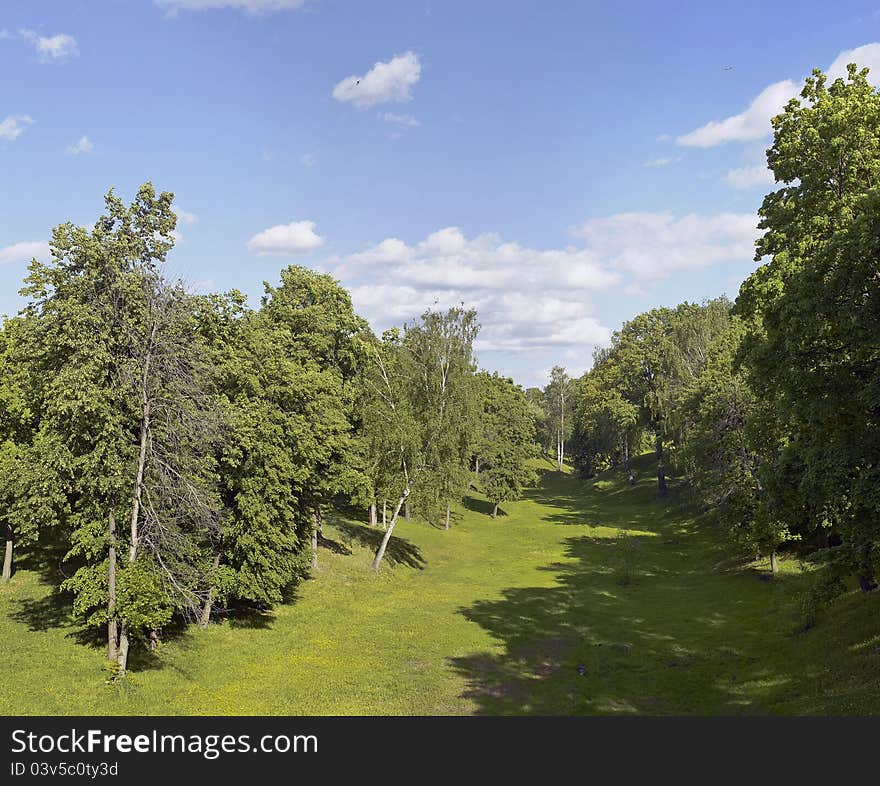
122,412
285,376
557,405
418,380
812,312
508,441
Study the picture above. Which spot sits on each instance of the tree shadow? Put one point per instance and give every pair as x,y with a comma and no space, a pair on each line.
635,624
399,551
333,546
483,506
43,614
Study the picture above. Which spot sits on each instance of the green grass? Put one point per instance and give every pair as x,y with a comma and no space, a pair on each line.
491,617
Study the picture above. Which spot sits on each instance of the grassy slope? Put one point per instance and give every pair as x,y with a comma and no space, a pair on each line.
492,617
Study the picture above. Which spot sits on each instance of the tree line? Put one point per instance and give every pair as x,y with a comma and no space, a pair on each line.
183,449
768,407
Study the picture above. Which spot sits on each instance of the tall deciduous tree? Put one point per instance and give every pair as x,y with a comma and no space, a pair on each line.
508,439
813,312
123,408
558,404
417,379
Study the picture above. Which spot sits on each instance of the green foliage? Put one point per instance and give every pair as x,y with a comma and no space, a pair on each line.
286,381
812,311
507,439
496,624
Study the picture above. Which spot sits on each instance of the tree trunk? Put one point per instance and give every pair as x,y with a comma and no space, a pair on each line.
209,601
477,466
447,517
495,511
561,427
314,541
7,559
112,625
661,469
374,519
406,509
559,451
122,652
380,552
137,496
384,513
774,567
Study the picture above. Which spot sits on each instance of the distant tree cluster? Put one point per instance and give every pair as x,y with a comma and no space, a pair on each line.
769,407
182,449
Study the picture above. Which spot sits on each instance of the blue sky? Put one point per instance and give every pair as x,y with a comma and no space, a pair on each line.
559,165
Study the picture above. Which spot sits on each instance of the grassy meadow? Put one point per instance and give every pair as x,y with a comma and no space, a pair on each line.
492,617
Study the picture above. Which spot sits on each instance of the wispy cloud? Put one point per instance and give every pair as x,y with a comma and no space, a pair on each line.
13,126
52,49
658,162
82,145
184,216
249,6
750,177
408,121
24,252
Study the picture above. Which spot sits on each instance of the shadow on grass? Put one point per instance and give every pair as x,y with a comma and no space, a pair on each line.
641,623
333,545
481,506
400,551
43,614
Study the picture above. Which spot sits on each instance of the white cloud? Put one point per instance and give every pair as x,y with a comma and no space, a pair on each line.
383,83
867,56
184,216
750,177
408,121
754,121
653,245
535,302
13,126
656,162
52,48
83,145
751,123
250,6
298,236
4,33
24,252
309,159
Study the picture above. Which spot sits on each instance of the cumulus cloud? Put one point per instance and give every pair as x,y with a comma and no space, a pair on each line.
537,301
292,238
249,6
383,83
83,145
52,48
754,121
13,126
654,245
24,252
